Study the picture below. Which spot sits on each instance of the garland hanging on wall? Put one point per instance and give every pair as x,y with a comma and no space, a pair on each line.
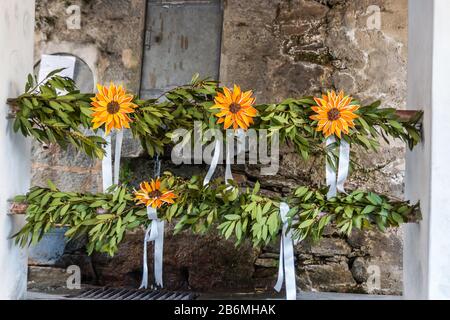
305,123
328,125
243,214
51,118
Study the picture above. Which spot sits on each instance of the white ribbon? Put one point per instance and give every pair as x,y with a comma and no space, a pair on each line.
117,155
107,164
336,184
214,162
154,232
344,161
229,154
286,267
110,177
240,134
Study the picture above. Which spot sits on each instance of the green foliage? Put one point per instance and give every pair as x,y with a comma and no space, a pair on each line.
57,119
312,212
103,217
291,118
239,214
154,121
53,118
375,122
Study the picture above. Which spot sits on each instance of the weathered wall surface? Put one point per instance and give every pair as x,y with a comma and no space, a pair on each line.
299,47
108,41
278,48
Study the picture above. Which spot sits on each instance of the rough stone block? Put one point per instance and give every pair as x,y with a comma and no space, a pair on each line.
335,277
327,247
46,278
201,263
266,263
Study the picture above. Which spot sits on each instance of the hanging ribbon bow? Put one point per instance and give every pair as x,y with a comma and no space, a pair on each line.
286,267
336,184
154,232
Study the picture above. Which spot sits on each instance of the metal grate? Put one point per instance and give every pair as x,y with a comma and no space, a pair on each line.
132,294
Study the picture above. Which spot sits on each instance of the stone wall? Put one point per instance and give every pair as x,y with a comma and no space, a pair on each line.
110,31
278,48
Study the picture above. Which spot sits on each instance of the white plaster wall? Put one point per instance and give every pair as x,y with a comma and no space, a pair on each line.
439,239
418,169
16,61
427,245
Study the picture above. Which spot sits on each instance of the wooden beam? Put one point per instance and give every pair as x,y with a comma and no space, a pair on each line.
17,208
11,101
406,115
21,208
13,108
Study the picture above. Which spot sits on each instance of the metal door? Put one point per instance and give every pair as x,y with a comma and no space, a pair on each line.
182,38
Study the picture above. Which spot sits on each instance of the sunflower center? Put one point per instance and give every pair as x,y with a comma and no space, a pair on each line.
334,114
234,107
155,194
113,107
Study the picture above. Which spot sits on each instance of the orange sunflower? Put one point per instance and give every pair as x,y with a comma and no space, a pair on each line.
153,194
335,113
236,108
111,106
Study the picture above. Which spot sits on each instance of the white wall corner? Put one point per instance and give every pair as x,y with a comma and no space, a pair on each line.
439,221
427,245
16,56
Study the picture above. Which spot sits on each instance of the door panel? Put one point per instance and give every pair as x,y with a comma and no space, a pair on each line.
182,38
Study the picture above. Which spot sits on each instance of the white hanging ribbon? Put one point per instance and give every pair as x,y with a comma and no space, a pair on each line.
229,153
117,155
286,267
154,232
344,161
330,173
214,162
336,184
109,176
240,134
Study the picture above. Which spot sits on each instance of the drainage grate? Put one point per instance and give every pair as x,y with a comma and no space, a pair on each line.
132,294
